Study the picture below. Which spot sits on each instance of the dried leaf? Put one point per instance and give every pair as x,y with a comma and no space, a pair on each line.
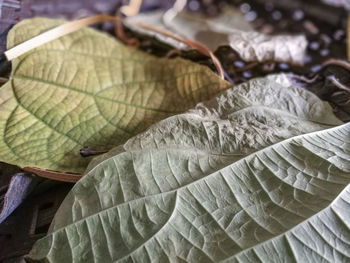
87,89
230,28
219,182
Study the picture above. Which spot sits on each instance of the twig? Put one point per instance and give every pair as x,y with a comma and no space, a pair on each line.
70,27
53,175
120,34
201,48
87,152
132,9
169,15
305,79
173,52
338,84
336,62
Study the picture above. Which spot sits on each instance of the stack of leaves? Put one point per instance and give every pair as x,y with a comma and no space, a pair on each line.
228,29
197,170
233,179
87,89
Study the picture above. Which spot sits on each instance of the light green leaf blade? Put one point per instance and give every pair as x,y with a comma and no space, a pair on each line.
87,89
216,183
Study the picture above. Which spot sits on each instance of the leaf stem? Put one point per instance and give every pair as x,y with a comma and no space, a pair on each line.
200,47
73,26
87,152
53,175
337,62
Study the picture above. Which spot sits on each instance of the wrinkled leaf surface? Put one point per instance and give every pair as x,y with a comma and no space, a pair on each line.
87,89
229,28
221,182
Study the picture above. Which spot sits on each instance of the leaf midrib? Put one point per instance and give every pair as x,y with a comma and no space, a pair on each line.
204,178
95,95
330,206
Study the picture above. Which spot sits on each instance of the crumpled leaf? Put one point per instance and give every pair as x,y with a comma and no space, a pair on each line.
230,28
87,89
216,183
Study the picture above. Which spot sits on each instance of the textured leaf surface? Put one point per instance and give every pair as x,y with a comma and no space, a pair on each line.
88,89
230,28
206,186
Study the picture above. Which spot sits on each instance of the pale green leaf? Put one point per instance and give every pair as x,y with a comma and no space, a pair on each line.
228,29
87,89
216,183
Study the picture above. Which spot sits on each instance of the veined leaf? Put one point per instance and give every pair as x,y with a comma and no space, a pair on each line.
216,183
87,89
228,29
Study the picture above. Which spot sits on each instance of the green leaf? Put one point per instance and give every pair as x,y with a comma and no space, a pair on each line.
216,183
228,29
87,89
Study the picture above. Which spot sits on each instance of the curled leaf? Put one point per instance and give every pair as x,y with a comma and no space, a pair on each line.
230,28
